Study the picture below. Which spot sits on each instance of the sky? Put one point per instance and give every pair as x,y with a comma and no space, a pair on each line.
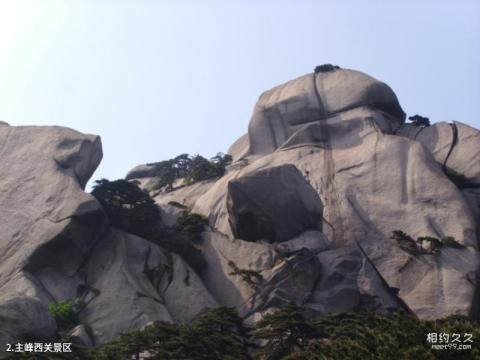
159,78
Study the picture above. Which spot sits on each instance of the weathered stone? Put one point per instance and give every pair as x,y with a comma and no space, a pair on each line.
239,148
141,171
455,146
291,279
126,273
348,283
313,240
48,224
81,335
186,296
222,254
273,204
313,97
137,282
372,183
25,319
170,213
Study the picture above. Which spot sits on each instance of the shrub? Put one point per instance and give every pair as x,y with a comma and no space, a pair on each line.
250,277
451,242
406,243
283,332
132,210
216,334
286,334
191,225
184,247
419,120
128,207
191,168
64,313
434,245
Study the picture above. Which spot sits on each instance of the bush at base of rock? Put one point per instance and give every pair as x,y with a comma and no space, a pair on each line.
216,334
286,335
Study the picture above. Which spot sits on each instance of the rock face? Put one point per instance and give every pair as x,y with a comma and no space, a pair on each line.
372,177
134,282
44,214
56,245
327,171
315,97
274,204
454,146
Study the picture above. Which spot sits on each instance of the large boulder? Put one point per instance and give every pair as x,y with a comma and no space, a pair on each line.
280,111
48,224
273,204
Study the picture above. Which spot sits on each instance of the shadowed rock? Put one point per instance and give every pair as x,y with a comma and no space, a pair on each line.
275,204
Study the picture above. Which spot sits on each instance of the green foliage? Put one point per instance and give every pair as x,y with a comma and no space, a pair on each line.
128,207
451,242
283,332
419,120
376,336
216,334
192,225
182,246
423,244
203,169
433,244
406,243
131,209
250,277
64,313
286,334
191,168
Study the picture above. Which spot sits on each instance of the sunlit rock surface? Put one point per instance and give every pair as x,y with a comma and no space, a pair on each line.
305,213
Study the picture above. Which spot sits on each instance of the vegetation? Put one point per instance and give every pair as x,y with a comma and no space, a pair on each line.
393,336
191,169
325,68
191,225
130,209
250,277
216,334
419,120
283,332
286,334
424,244
64,313
406,243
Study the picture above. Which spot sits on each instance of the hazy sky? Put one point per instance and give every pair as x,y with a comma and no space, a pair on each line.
159,78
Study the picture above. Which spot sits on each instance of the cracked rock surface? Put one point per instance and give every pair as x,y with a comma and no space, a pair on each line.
305,213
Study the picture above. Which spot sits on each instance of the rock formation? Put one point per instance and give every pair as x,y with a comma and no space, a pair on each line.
305,213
